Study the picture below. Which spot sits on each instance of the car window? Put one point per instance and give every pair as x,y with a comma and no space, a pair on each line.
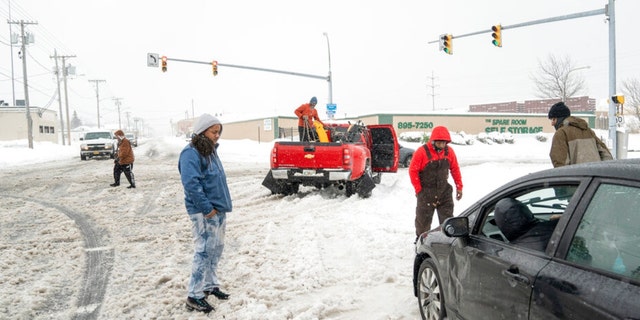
97,135
545,204
607,237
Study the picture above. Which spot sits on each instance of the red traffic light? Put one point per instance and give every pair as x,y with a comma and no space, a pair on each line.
214,66
164,63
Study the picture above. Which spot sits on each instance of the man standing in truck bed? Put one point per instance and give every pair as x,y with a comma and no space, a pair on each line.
306,114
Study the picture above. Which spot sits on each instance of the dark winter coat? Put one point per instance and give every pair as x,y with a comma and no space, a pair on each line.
574,142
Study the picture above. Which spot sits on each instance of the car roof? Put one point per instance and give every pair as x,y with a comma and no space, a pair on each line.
619,169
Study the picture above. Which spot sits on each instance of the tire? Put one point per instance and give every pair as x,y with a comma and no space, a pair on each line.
290,188
430,292
349,188
83,157
361,184
407,161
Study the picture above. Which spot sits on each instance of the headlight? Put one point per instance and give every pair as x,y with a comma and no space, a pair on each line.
84,147
108,146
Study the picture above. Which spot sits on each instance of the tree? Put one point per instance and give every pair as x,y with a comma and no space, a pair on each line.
556,79
631,91
75,121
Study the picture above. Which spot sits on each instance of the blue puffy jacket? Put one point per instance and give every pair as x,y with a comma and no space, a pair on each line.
204,182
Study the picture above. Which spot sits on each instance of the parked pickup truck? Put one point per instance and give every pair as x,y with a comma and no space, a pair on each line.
352,160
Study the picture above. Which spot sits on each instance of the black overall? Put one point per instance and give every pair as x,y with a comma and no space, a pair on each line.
436,192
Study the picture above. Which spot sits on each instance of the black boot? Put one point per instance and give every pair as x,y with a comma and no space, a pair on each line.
114,184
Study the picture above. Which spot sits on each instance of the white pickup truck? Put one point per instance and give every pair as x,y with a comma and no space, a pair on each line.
101,143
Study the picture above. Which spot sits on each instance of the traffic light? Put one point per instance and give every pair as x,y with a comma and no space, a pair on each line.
214,66
164,63
618,99
447,43
497,35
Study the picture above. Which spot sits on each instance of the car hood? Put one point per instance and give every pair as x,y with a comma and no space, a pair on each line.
98,141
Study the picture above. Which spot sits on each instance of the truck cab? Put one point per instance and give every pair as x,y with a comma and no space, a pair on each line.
98,143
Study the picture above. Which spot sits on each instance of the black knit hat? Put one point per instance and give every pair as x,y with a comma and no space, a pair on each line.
559,110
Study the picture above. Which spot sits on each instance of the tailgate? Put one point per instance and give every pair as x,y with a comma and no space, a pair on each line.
307,155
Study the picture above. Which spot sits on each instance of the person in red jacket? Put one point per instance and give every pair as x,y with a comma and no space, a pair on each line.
429,174
306,114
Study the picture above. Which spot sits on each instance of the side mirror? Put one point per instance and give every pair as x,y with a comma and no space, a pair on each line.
456,227
81,138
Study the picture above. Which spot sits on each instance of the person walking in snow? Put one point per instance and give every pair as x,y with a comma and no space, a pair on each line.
207,200
124,161
573,142
429,173
306,114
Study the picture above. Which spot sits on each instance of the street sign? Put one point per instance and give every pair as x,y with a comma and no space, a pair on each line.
153,60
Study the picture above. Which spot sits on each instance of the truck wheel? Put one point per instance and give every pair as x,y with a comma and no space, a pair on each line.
349,188
83,157
290,188
377,178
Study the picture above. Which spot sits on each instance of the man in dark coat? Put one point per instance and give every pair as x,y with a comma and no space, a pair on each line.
574,142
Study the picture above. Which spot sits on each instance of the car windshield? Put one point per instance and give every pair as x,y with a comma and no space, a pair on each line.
129,136
97,135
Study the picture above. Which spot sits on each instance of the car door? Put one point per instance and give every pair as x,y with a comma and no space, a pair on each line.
495,278
385,150
596,271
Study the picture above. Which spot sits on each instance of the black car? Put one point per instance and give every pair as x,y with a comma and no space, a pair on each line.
405,156
562,243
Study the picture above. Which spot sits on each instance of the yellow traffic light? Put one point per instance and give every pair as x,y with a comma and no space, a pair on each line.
164,63
497,35
618,99
447,43
214,66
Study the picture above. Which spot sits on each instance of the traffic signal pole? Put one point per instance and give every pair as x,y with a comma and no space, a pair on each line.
609,12
253,68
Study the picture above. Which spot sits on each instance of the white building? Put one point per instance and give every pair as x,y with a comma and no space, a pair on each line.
13,124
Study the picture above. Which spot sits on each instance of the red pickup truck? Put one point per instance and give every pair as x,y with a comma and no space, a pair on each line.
348,161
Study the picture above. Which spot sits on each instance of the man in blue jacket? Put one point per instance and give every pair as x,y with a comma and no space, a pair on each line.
207,199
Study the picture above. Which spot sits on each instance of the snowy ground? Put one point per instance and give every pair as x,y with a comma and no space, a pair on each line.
71,246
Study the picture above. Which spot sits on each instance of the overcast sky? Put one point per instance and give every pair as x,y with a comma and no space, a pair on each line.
381,60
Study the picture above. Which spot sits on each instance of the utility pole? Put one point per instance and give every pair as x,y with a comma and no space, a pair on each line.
433,93
24,76
118,103
65,73
66,94
55,56
97,82
128,121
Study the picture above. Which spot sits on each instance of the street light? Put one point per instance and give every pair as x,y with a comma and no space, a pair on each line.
566,77
329,77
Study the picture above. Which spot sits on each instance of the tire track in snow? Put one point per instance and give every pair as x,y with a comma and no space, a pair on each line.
98,261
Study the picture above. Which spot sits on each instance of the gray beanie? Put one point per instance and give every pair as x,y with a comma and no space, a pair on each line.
204,122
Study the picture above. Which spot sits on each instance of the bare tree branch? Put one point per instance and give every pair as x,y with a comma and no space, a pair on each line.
556,80
631,90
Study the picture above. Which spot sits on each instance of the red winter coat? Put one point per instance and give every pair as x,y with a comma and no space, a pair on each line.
311,113
420,159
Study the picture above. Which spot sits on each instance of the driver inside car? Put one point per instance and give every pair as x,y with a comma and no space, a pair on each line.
520,227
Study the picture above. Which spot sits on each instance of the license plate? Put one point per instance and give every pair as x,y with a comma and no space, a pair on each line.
96,152
308,172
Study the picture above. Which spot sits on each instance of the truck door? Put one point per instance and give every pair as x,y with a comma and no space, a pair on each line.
385,152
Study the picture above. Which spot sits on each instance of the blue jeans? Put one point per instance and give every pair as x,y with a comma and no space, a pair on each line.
208,238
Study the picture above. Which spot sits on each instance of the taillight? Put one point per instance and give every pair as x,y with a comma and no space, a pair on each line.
274,158
346,157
